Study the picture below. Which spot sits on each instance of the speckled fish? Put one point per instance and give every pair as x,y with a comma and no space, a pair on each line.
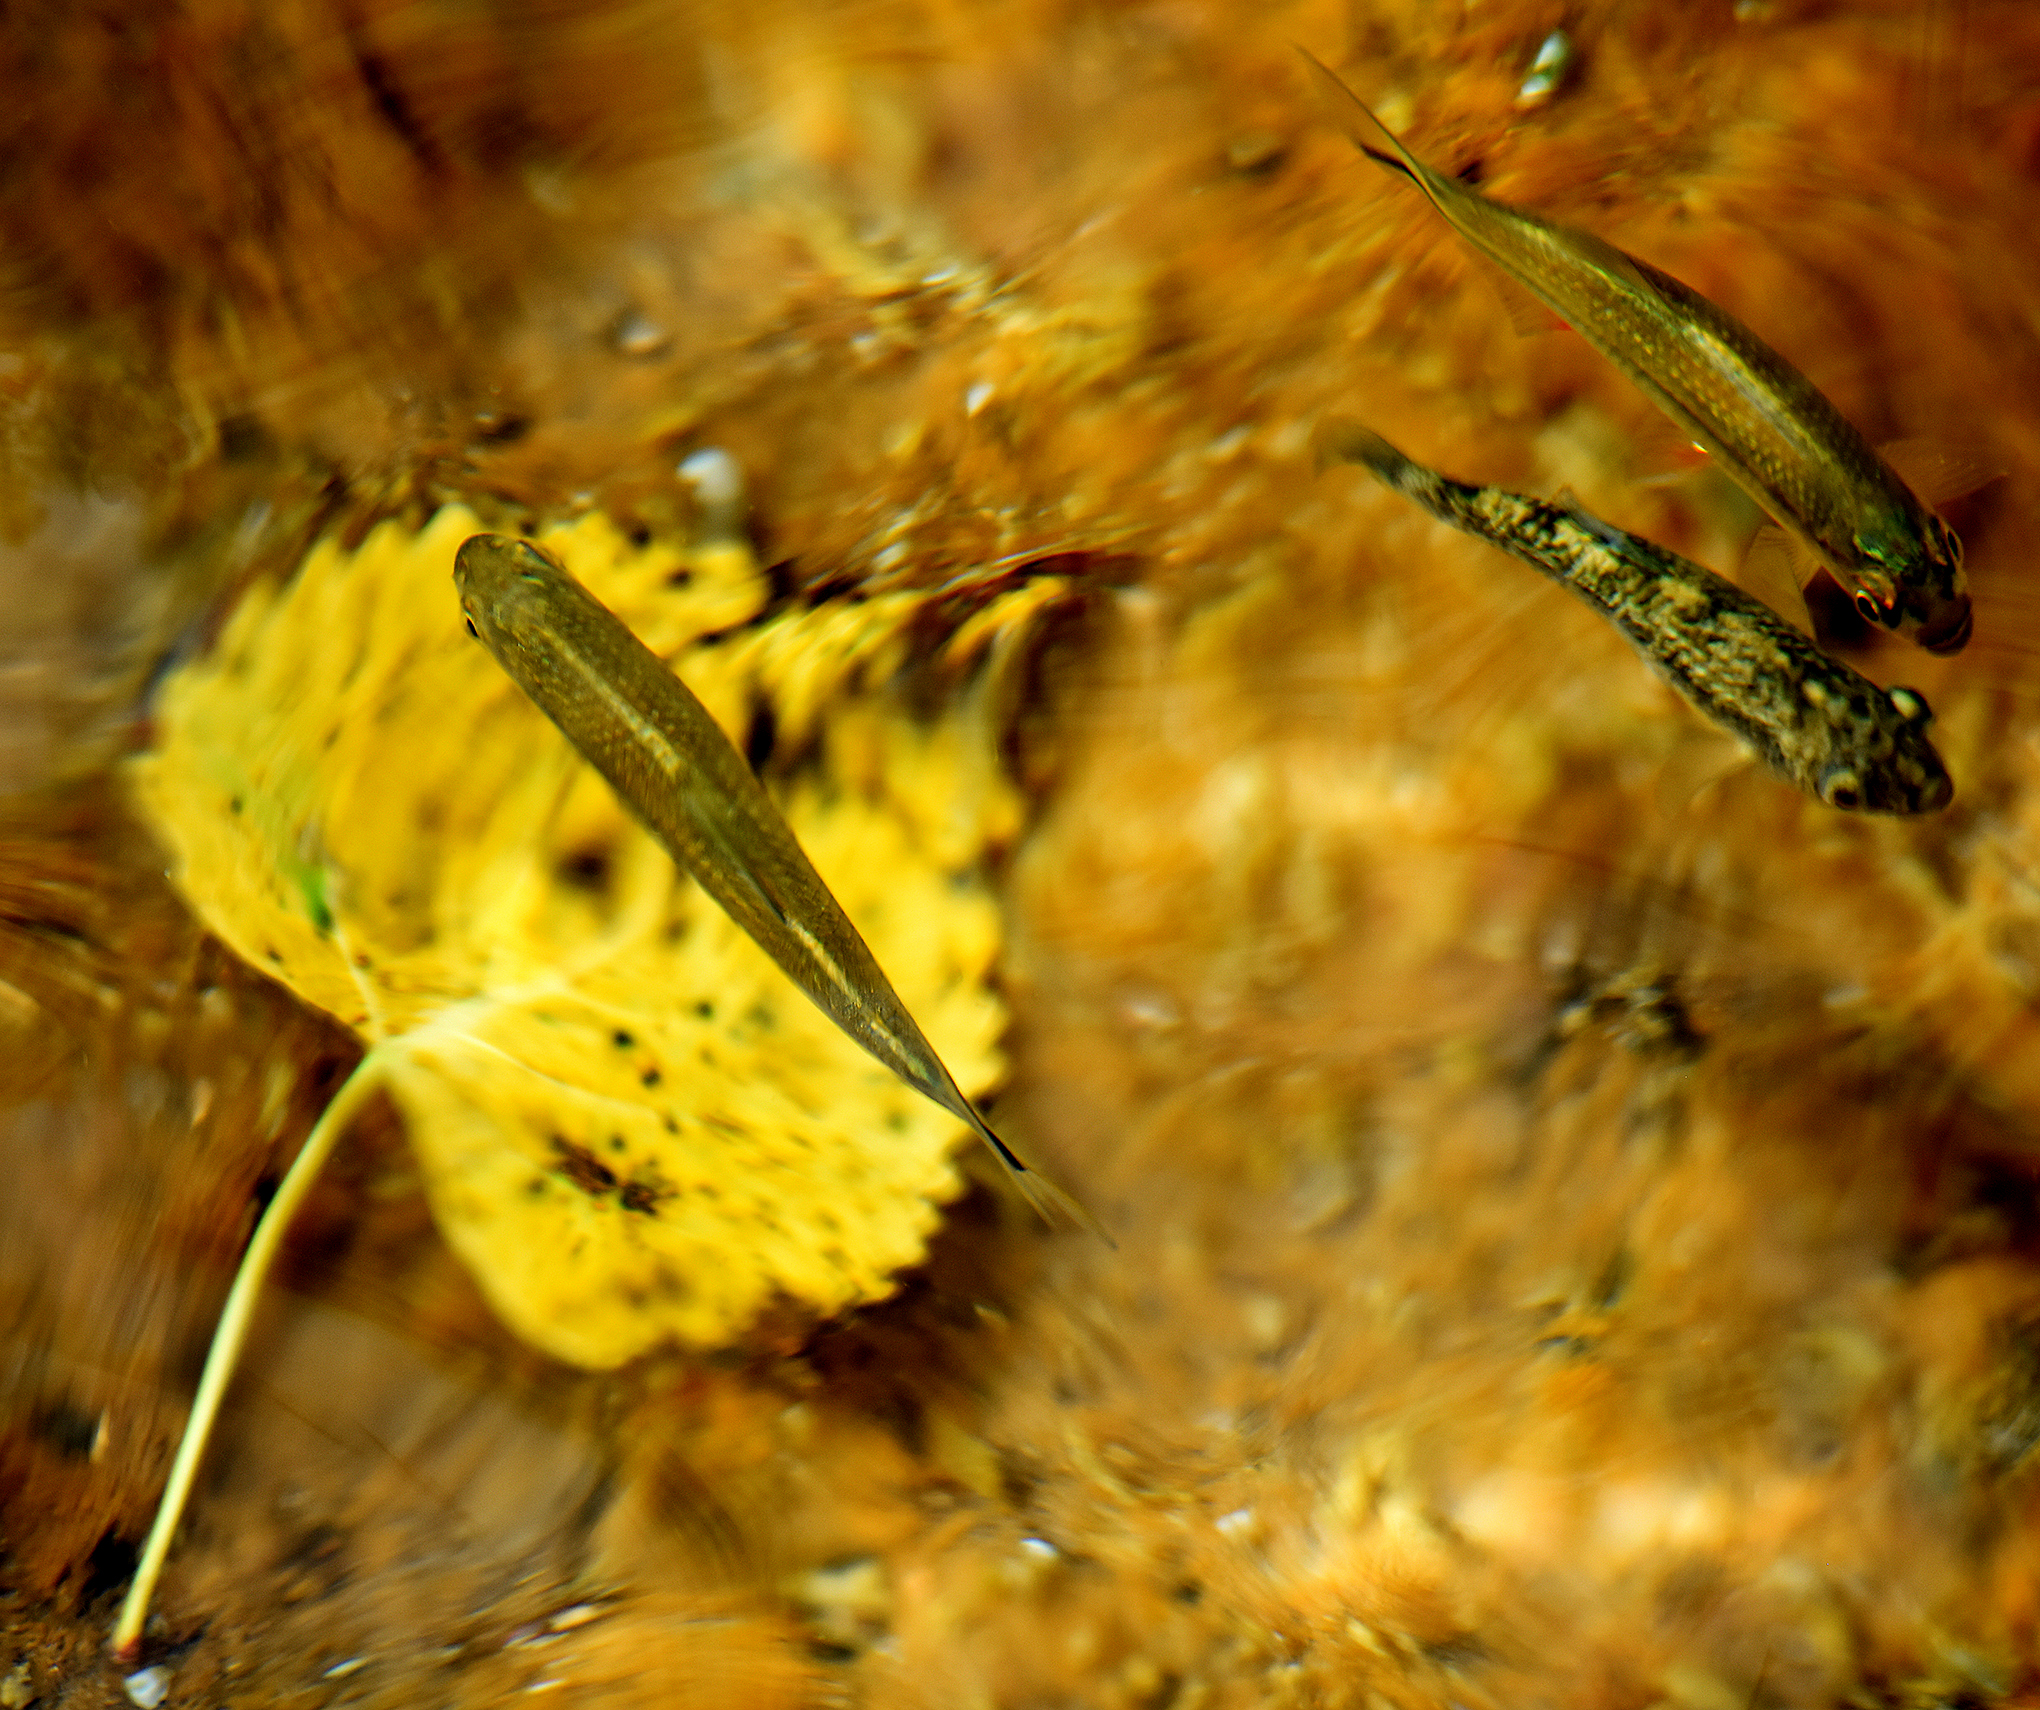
1811,719
644,730
1767,426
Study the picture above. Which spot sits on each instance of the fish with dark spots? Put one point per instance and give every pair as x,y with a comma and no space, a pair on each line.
1815,722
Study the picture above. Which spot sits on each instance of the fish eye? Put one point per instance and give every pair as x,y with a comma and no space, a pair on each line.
1910,705
1868,609
1954,545
470,622
1841,788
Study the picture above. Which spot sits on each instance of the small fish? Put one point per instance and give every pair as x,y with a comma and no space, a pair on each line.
1811,719
644,730
1764,422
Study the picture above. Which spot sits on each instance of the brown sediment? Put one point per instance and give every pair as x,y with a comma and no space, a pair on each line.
1576,1201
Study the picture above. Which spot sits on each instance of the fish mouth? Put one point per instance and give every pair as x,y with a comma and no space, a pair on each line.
1937,793
1951,634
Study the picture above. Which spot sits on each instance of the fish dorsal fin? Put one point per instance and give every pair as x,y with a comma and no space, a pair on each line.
1771,572
1937,472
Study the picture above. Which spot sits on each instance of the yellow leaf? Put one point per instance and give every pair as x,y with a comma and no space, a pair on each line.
632,1127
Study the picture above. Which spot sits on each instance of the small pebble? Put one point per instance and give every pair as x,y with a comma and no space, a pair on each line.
1548,71
146,1688
718,482
635,334
1256,154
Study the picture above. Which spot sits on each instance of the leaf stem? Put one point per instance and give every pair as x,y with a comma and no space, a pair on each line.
235,1318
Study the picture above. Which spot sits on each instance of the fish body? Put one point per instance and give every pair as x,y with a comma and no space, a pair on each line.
1769,427
1812,720
668,760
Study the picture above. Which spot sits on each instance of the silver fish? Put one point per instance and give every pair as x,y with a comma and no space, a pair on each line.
672,766
1767,425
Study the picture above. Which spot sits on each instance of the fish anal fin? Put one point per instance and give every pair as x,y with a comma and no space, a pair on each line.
1773,570
1937,471
1529,317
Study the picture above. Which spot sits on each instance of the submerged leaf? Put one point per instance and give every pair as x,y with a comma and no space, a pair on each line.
632,1127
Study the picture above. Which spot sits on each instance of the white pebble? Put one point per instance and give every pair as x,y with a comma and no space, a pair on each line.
716,477
148,1687
1548,71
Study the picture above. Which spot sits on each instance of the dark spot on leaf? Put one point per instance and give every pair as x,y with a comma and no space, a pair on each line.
581,1167
651,1078
644,1197
587,869
622,1040
762,733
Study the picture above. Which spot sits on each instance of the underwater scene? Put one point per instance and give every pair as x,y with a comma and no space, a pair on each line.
1020,855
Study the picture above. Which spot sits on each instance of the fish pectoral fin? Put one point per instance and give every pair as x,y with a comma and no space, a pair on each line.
1696,767
1937,471
1774,570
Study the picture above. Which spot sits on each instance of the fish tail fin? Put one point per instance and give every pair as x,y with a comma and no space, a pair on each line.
1388,160
1340,439
1354,117
1057,1208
